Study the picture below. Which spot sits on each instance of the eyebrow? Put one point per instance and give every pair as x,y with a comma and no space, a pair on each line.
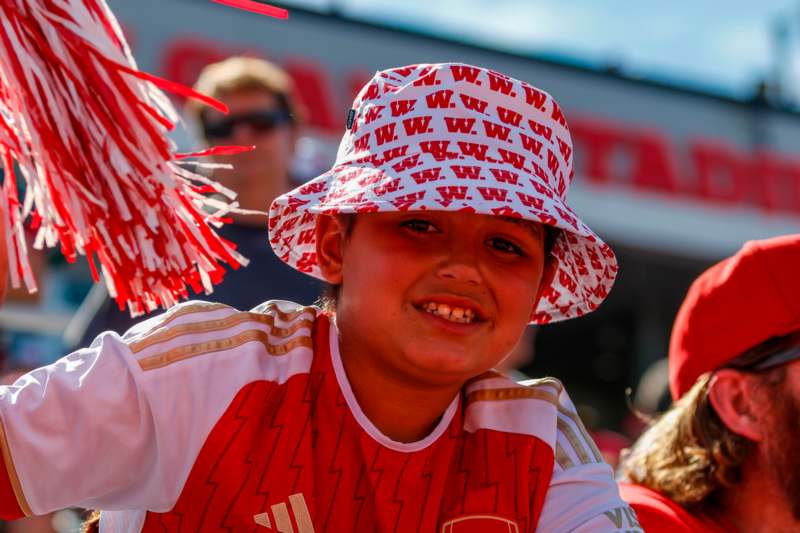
535,227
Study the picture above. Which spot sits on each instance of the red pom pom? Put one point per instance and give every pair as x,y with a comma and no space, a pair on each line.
88,132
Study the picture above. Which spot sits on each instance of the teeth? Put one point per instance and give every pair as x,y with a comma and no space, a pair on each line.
454,314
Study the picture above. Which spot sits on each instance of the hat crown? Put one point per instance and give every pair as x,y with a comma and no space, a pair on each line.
733,306
451,124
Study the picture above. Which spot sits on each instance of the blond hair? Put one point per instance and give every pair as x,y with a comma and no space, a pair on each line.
239,74
688,454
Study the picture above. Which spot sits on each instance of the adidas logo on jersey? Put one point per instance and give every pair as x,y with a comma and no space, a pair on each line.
278,518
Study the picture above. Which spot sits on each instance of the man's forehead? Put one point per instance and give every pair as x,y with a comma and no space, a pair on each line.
246,99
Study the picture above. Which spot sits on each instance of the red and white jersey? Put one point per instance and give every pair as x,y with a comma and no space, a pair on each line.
211,419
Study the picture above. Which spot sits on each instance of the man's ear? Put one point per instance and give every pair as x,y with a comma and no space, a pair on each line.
330,235
734,398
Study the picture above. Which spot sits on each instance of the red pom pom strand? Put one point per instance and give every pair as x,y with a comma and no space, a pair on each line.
88,132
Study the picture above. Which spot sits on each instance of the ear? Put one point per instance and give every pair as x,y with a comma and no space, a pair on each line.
330,242
734,399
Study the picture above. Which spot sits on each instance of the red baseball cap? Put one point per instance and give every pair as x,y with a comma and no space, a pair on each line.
735,305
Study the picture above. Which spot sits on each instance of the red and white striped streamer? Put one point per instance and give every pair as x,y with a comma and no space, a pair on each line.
88,133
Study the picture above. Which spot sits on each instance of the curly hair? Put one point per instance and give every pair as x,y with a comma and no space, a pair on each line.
689,454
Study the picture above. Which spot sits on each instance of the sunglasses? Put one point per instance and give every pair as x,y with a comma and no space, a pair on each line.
260,121
775,352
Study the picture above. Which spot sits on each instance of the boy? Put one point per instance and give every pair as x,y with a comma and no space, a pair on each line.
443,230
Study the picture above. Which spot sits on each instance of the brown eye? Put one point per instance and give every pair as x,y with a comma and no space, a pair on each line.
504,246
421,226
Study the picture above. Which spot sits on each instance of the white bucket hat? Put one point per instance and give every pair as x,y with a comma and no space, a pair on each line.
454,137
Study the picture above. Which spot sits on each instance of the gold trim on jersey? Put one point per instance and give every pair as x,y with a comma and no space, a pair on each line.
286,316
575,441
587,439
511,393
191,328
16,486
572,415
585,452
201,348
197,307
562,458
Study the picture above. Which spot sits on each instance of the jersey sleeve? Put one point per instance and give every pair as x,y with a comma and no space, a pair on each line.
80,431
119,425
583,496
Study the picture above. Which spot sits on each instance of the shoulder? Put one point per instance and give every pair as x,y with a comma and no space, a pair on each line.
657,513
539,407
197,328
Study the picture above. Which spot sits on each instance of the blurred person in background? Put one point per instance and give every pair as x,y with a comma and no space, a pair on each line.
724,457
265,113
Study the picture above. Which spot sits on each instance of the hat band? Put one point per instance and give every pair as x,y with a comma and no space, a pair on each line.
769,354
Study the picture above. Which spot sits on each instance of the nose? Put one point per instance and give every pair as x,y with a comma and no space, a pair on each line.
460,264
242,132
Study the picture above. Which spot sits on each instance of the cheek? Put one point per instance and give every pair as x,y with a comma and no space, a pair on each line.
517,289
276,142
381,270
516,297
515,301
376,275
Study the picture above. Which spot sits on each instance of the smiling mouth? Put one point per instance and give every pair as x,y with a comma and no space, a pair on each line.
459,315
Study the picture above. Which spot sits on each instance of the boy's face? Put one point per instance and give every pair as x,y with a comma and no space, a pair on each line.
439,297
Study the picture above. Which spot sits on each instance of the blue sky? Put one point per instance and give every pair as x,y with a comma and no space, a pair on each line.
723,46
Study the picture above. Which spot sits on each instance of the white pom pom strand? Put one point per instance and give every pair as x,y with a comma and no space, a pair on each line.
88,133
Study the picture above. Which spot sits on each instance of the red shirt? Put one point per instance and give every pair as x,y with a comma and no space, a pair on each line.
210,419
659,514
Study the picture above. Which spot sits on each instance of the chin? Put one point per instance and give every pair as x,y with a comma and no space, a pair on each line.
446,362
